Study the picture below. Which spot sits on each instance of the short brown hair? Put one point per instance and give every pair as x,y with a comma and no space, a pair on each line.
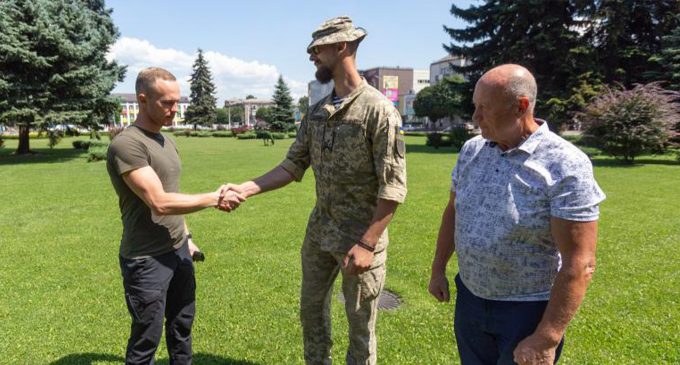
148,76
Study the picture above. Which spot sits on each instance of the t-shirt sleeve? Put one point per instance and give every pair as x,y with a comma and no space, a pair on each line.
126,155
576,196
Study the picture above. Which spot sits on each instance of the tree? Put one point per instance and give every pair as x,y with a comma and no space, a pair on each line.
53,66
628,35
236,114
282,118
221,116
444,99
303,105
249,96
669,59
201,109
629,122
264,114
572,47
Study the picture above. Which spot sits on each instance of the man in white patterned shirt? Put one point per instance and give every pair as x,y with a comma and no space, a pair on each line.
522,218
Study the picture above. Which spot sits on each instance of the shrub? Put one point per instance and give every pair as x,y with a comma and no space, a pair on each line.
627,123
2,142
247,135
459,136
238,130
221,134
97,153
203,134
80,144
279,135
437,139
55,138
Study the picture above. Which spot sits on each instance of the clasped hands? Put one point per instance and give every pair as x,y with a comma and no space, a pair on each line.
230,197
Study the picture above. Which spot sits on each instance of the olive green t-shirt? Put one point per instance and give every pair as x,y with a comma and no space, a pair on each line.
144,233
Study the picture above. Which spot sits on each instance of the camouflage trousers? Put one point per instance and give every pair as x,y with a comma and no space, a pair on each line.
319,270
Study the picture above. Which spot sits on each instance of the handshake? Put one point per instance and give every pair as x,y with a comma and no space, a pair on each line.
230,196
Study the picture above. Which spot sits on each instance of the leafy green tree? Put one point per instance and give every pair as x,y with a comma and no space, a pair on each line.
201,109
444,99
221,116
264,114
53,66
236,114
249,96
629,122
282,118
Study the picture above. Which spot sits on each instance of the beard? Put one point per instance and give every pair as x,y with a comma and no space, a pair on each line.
323,74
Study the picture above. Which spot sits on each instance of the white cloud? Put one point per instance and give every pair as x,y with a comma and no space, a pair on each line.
233,77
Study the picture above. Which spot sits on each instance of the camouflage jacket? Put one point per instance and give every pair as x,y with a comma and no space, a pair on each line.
357,154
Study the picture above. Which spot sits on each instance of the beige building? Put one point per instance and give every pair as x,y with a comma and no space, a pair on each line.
250,107
130,109
442,68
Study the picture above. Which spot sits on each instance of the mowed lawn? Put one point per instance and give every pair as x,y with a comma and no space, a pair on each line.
61,297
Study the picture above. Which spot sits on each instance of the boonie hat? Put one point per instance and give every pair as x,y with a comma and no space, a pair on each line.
336,30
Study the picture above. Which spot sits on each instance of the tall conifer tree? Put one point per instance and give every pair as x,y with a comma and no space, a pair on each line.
542,36
282,118
201,110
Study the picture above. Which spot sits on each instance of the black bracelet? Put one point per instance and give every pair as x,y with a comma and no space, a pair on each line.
365,246
189,236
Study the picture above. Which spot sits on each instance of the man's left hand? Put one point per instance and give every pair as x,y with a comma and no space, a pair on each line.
535,350
357,261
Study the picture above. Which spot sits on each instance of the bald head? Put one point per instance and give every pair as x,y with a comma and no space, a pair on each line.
514,81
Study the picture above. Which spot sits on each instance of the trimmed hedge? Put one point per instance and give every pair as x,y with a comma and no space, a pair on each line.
97,153
86,144
247,135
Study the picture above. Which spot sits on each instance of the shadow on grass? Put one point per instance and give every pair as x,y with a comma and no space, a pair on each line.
421,148
199,359
40,155
612,162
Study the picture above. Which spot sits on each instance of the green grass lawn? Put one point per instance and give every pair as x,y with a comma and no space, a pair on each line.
61,297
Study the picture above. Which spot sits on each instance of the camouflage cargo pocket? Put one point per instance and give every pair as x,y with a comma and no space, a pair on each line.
371,283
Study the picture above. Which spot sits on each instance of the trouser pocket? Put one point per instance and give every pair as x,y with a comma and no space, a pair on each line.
144,305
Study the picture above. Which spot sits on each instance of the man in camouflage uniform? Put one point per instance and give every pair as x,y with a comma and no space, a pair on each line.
351,139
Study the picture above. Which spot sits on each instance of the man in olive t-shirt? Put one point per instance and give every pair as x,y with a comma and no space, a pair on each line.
144,233
155,262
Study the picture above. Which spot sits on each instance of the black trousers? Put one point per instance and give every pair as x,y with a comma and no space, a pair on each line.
155,288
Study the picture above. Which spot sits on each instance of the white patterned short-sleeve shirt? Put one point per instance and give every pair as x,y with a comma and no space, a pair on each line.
504,202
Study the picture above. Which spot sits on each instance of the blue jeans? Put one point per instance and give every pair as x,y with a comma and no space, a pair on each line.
487,331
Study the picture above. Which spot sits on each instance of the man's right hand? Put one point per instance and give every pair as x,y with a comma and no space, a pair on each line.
230,197
439,287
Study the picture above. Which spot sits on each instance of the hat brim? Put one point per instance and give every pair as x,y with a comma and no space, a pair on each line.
348,36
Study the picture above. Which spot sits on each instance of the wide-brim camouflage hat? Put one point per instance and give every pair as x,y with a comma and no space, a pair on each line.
336,30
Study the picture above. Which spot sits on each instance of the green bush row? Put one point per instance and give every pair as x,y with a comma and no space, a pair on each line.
85,145
31,135
247,135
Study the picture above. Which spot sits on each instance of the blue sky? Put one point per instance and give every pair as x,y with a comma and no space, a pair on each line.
250,43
